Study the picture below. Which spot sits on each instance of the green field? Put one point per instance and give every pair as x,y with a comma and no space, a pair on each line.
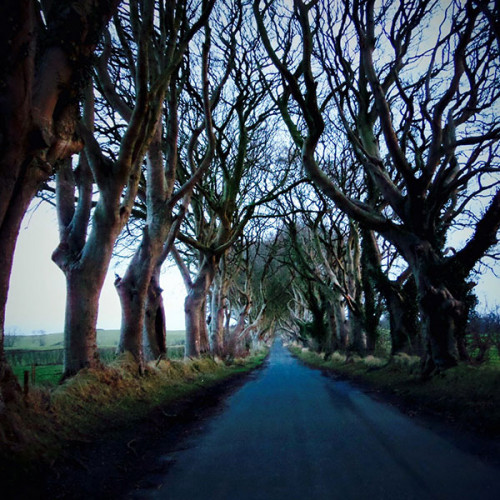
105,338
48,375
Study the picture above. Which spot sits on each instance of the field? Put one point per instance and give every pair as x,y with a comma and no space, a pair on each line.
42,355
105,338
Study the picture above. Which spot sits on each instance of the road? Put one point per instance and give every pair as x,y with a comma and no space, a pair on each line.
292,433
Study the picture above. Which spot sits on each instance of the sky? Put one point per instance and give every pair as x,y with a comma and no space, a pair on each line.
37,288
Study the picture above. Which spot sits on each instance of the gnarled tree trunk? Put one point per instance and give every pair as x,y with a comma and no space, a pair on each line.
441,313
154,336
218,308
85,274
133,292
194,308
39,87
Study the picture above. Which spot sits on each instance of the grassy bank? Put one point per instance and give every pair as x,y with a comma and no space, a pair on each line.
96,402
42,355
468,396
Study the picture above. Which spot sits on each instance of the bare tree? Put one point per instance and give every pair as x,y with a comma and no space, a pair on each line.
139,292
85,259
240,180
420,120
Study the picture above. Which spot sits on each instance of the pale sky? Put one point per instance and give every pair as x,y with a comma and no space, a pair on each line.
37,289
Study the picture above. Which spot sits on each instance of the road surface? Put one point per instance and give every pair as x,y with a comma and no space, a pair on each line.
292,433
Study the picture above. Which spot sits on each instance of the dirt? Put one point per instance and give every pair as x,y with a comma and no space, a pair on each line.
107,466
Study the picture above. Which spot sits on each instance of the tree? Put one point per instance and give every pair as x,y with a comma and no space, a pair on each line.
420,120
240,180
46,50
139,292
85,259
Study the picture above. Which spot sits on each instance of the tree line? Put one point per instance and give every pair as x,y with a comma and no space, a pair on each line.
303,163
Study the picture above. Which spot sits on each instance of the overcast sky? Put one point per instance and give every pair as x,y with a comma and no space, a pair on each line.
37,290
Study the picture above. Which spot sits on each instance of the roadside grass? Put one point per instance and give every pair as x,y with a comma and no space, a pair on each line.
466,395
97,401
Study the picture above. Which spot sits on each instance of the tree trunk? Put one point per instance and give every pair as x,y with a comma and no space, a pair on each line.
358,335
80,336
403,311
192,312
370,269
329,340
133,304
441,313
204,338
341,325
85,269
154,336
194,308
9,231
218,309
133,292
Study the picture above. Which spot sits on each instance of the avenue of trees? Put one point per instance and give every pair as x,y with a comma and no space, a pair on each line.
305,164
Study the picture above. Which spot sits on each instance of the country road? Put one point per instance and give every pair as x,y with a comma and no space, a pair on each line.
292,433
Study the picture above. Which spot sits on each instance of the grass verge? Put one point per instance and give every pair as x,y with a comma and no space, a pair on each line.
467,396
36,433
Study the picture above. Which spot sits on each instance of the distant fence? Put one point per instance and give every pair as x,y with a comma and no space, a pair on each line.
23,357
49,356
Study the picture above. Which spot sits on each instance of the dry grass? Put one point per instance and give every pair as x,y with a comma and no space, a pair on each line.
95,401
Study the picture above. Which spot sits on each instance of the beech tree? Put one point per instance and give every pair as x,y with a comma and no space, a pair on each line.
240,180
139,291
238,309
46,51
85,259
420,118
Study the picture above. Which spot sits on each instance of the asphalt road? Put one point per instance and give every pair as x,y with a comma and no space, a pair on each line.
292,433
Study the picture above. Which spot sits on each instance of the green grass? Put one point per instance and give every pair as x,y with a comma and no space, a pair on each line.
45,352
48,375
468,395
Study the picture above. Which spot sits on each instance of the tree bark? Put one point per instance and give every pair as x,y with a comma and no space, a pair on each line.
440,311
85,274
37,87
341,323
369,273
402,307
218,308
133,292
204,337
154,335
82,304
194,307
